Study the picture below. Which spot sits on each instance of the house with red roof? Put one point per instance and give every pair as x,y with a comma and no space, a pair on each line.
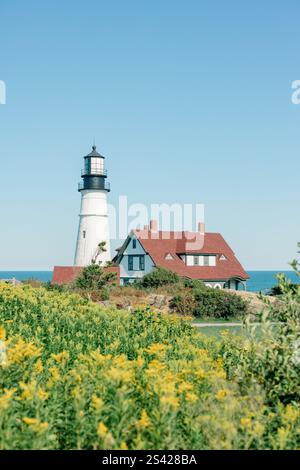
194,255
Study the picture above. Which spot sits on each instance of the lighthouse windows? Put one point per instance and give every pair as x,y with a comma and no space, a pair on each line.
83,234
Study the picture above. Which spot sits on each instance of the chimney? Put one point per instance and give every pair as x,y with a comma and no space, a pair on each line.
201,228
153,225
146,227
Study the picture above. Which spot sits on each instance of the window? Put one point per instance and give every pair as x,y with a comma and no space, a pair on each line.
134,243
205,260
196,260
83,234
223,258
168,256
142,263
130,263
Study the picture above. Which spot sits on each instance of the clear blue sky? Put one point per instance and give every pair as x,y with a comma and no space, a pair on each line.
189,101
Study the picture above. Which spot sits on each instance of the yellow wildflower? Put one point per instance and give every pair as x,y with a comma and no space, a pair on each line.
35,424
5,398
282,435
222,393
245,422
144,420
21,351
102,430
97,402
41,394
191,397
290,414
54,373
258,429
156,349
2,333
120,375
140,361
38,366
200,373
61,357
185,387
123,446
28,390
170,400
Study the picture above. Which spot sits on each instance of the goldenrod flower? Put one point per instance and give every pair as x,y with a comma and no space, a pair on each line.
6,398
38,366
221,394
97,402
102,430
191,397
2,333
35,424
171,401
245,422
61,357
144,420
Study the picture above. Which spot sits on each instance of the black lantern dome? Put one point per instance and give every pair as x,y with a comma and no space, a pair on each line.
94,173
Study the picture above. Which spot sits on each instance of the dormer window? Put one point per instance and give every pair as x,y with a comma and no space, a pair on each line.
205,260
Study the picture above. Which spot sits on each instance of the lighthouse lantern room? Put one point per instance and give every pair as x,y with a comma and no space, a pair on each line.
93,218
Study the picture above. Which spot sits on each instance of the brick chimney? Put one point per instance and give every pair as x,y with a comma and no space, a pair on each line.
201,228
153,226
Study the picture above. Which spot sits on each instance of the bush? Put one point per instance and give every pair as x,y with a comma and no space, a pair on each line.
271,355
158,277
184,304
93,282
205,302
217,303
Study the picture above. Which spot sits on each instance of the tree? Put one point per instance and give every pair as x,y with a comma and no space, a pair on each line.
93,278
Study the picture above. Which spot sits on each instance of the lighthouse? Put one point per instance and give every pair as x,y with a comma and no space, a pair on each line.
93,218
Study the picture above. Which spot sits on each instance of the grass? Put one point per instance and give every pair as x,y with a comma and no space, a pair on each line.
217,330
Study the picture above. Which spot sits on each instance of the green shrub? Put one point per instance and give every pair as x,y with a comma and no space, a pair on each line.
218,303
205,302
271,356
94,282
184,304
157,278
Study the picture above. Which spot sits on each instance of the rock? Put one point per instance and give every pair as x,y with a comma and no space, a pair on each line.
157,300
124,304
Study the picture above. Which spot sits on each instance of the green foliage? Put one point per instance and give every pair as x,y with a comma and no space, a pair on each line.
91,278
94,282
272,358
217,303
77,376
184,303
158,277
205,302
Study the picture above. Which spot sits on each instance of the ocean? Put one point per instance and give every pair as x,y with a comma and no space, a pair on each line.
259,280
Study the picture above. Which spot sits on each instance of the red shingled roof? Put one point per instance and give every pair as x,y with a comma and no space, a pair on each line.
159,244
67,274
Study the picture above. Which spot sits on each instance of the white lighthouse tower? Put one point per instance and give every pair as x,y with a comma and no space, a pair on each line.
93,218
